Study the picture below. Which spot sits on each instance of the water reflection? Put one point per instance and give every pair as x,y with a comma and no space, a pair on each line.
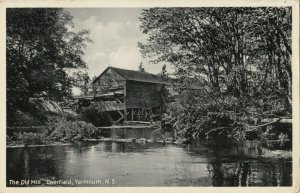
150,164
143,165
258,174
127,133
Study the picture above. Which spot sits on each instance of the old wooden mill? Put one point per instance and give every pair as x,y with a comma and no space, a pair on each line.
133,95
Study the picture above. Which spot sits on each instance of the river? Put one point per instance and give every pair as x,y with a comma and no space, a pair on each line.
149,164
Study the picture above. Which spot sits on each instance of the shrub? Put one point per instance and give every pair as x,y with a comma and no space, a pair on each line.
57,128
32,138
96,116
64,129
222,117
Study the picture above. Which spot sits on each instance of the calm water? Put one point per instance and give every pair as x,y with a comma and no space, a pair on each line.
150,164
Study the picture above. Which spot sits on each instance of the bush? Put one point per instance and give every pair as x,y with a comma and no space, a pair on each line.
32,138
220,117
64,129
57,128
96,116
24,118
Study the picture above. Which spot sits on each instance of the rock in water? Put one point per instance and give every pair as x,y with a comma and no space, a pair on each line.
150,140
180,141
141,141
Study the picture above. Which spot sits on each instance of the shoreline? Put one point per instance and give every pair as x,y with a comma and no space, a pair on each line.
37,145
276,154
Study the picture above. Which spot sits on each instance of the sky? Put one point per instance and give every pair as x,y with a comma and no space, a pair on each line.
115,34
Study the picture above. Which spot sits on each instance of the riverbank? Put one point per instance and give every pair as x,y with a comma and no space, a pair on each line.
63,132
11,146
179,141
266,153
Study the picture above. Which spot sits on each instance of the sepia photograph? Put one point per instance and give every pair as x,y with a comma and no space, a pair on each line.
149,96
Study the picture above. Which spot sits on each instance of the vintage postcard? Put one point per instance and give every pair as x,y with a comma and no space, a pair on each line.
150,96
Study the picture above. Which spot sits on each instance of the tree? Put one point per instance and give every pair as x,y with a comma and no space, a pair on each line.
164,77
238,50
163,73
85,84
42,49
243,54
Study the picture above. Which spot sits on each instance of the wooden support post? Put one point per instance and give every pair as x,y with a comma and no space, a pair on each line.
125,107
122,116
125,114
120,113
132,114
149,115
143,114
119,119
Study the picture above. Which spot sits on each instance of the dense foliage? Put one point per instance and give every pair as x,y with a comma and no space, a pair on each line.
56,129
242,54
96,116
64,129
44,55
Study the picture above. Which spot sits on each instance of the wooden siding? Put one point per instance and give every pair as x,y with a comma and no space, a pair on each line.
108,80
111,87
143,95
